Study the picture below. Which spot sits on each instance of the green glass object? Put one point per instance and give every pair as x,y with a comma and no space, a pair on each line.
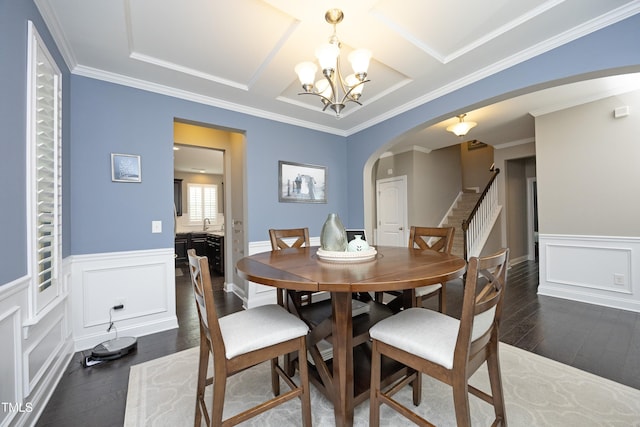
333,236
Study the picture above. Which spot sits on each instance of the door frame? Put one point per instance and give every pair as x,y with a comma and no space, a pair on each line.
531,215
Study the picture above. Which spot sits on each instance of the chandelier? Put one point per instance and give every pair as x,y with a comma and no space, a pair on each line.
334,90
461,128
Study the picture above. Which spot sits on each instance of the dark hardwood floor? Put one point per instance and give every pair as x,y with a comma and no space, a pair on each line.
596,339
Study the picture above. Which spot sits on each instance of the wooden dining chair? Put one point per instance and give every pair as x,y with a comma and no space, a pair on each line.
242,340
290,238
445,348
437,239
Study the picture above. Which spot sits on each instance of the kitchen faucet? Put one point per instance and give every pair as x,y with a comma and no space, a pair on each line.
204,224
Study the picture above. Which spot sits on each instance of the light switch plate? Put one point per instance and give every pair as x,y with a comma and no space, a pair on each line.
156,226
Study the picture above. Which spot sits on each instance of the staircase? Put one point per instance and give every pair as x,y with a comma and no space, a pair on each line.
463,208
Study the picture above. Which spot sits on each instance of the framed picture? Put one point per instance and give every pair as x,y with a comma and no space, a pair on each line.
125,168
301,183
352,233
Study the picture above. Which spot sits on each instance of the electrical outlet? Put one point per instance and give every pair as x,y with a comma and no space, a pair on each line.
119,302
618,279
156,226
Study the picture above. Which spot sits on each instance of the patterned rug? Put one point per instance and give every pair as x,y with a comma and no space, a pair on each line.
538,392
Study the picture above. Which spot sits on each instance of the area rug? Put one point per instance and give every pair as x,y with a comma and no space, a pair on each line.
538,392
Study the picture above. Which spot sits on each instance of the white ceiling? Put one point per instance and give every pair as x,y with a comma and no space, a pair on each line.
190,159
240,54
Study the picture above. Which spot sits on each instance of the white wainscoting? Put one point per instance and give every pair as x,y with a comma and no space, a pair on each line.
35,351
592,269
11,356
143,281
258,294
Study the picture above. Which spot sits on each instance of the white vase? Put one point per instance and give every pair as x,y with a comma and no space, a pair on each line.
357,244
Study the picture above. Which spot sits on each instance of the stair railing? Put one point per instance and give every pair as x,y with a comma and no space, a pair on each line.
474,226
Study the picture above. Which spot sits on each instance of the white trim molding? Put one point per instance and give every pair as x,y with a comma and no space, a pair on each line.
597,270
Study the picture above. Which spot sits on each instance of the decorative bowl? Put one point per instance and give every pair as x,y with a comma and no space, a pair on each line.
345,257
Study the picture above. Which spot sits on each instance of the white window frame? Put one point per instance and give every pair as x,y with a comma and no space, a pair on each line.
200,216
44,175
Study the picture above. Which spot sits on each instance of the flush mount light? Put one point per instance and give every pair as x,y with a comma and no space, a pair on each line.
461,128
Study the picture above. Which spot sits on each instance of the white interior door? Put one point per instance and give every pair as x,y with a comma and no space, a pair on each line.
391,209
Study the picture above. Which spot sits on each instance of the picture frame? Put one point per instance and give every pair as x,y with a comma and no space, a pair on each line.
353,232
125,168
301,183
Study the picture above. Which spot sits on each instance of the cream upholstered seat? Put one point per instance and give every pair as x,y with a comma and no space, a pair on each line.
445,348
242,340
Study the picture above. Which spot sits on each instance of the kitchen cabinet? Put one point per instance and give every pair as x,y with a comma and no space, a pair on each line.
198,242
215,253
186,241
181,246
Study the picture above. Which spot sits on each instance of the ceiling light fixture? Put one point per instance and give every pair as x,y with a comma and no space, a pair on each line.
461,128
334,90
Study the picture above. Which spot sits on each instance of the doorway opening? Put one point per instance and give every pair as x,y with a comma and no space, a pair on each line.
209,197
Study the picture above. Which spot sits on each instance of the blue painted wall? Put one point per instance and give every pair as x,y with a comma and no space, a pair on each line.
109,216
14,15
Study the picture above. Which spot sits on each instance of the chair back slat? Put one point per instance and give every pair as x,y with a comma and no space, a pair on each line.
276,236
481,310
300,234
205,303
438,239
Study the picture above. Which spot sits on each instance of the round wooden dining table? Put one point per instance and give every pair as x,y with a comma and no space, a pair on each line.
392,269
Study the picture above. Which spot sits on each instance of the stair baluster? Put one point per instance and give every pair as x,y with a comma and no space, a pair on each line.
474,225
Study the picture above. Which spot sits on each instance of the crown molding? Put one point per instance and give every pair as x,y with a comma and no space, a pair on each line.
54,27
626,87
201,99
603,21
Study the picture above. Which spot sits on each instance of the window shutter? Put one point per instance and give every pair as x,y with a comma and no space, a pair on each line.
203,202
44,148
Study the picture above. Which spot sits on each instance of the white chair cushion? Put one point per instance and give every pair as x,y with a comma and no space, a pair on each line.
482,322
258,328
425,333
426,290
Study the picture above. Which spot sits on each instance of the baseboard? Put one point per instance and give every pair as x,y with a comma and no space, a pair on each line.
138,330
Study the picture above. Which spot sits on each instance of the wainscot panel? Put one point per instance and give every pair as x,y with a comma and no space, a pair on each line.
592,269
142,281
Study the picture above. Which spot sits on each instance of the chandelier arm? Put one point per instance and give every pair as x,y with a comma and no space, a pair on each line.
326,101
347,96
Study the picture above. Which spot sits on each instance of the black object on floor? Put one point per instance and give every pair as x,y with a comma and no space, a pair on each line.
110,350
